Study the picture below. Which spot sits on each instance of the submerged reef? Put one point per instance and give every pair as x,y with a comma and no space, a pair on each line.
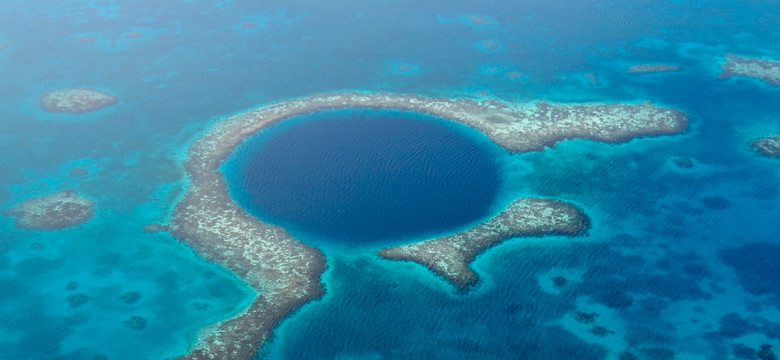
652,68
286,273
683,162
449,256
75,100
769,145
489,45
478,21
52,212
133,35
758,68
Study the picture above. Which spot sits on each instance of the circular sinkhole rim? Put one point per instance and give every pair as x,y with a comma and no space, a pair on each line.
478,139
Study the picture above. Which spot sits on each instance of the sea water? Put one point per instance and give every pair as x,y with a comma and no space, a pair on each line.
366,176
680,263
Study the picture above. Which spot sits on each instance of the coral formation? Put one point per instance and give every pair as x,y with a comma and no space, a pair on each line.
404,68
154,228
559,281
766,353
77,300
87,39
489,45
479,21
52,212
769,145
683,162
600,331
75,100
135,322
652,68
134,35
286,273
130,297
763,69
78,172
449,256
585,317
715,202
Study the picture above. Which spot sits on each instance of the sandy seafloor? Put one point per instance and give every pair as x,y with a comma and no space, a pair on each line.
679,263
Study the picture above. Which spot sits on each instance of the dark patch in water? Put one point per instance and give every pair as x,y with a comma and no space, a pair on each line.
732,325
697,271
757,266
683,162
687,209
361,176
615,299
130,297
36,266
77,300
715,203
109,259
659,353
135,322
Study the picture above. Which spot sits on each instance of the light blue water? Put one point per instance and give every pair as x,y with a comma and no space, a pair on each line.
679,263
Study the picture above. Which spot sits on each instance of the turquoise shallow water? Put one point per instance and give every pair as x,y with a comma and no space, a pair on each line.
679,262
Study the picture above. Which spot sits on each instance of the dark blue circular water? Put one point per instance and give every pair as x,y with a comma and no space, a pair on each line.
362,176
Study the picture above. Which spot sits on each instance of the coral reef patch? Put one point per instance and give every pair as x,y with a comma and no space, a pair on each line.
653,68
75,100
683,162
56,211
135,322
763,69
769,145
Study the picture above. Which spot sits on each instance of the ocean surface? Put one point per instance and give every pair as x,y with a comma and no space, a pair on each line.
362,177
680,262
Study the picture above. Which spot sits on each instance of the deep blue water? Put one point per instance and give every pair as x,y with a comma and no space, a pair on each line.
364,177
680,263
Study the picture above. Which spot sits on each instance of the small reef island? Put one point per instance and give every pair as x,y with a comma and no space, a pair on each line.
286,273
652,68
763,69
75,100
55,211
769,145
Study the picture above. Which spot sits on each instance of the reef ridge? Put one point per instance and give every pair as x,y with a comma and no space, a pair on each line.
449,256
